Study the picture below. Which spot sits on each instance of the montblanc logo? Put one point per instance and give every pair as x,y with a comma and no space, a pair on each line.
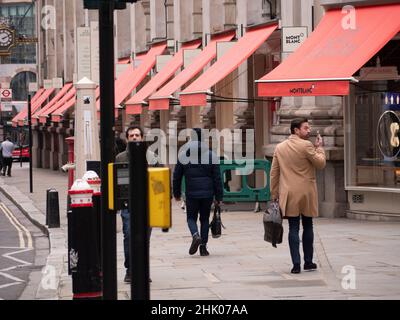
302,90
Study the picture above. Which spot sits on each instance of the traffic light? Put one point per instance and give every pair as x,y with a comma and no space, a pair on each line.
118,4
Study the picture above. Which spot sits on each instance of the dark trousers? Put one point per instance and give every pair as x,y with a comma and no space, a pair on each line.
193,208
307,239
7,164
125,216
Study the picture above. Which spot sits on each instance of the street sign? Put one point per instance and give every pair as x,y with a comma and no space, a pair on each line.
33,87
57,83
47,83
6,106
5,94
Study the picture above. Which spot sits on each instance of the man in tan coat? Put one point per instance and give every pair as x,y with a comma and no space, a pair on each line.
293,183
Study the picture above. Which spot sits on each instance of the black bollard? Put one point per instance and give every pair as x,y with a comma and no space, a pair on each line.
53,209
47,206
92,178
84,262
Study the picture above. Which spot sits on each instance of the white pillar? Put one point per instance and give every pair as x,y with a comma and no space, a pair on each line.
87,146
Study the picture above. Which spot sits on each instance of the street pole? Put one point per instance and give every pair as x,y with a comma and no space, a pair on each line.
139,221
20,147
107,105
30,144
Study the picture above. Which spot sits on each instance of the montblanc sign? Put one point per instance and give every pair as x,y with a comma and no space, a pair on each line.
293,37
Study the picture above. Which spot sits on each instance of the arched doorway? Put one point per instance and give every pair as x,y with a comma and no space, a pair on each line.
20,85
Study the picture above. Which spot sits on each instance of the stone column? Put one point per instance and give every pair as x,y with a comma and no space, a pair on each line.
182,20
69,40
53,157
138,28
158,13
45,164
50,52
36,151
123,33
60,38
197,18
146,10
62,146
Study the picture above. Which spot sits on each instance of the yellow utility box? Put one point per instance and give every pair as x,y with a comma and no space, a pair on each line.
159,197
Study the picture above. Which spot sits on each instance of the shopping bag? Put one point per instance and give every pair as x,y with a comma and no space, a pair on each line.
216,223
272,219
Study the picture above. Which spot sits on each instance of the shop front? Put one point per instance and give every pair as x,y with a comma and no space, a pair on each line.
360,65
372,148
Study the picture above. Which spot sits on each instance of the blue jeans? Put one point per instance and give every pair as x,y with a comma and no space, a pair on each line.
307,239
126,230
193,208
125,216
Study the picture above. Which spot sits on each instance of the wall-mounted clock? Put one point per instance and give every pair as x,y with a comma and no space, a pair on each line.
7,39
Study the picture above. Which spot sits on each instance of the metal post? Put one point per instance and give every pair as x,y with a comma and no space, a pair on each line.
107,103
139,224
20,148
30,144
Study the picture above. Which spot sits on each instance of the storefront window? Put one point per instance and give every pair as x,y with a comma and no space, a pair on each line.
20,84
375,151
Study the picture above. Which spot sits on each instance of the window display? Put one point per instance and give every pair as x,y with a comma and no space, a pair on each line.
377,140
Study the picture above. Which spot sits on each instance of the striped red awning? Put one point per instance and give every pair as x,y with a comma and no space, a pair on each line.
160,99
196,93
134,105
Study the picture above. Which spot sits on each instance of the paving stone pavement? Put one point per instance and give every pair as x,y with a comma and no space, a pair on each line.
356,259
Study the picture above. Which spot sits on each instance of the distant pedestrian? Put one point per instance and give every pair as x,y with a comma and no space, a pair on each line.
293,182
203,185
1,158
7,147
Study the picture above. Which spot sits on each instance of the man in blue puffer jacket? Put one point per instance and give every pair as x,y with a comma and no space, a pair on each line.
203,186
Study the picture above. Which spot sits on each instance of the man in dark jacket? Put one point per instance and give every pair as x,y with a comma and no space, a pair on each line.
203,184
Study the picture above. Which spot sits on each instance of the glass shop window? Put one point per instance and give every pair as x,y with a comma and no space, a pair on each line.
376,145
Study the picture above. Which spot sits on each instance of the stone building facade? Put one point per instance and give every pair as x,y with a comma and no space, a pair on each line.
178,21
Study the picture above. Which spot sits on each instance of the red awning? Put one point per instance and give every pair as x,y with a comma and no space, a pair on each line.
327,60
37,95
134,105
69,95
24,111
196,93
57,115
160,100
132,77
20,117
57,97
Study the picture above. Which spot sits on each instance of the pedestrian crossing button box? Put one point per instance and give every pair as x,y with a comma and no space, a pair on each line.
118,185
159,198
